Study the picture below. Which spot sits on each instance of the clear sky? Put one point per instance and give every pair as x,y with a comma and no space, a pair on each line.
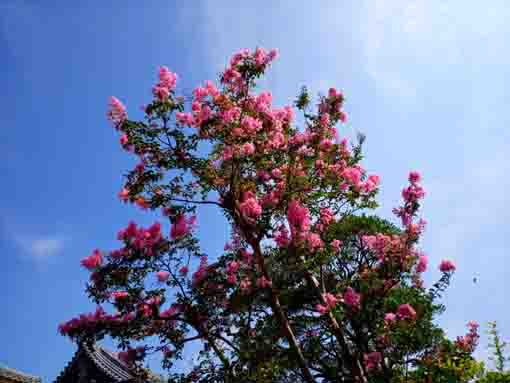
428,81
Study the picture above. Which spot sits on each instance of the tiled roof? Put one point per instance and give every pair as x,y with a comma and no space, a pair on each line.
107,362
17,376
104,360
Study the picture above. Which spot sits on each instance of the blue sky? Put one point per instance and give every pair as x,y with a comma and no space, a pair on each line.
427,81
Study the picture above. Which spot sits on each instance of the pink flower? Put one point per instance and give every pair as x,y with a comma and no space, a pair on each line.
162,276
211,88
263,282
276,173
473,325
281,237
245,285
124,194
352,175
228,153
167,79
469,341
124,140
335,244
406,311
248,149
352,298
373,360
299,219
390,317
371,184
314,242
183,270
321,309
184,118
330,300
422,264
251,125
446,266
231,278
117,113
166,84
119,295
93,261
414,177
233,267
250,208
327,216
182,226
161,92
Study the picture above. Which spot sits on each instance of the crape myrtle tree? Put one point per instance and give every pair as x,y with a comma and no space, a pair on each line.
310,288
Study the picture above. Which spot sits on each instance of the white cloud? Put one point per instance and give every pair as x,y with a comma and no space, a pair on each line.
41,248
405,42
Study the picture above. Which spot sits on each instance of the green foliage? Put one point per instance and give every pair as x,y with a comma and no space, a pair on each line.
495,377
497,345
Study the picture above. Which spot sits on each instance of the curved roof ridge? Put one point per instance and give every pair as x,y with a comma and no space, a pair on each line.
18,376
108,363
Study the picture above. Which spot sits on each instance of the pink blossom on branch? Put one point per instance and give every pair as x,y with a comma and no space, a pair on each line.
162,276
406,312
250,208
352,299
92,261
373,360
447,266
389,318
299,220
117,112
182,226
422,264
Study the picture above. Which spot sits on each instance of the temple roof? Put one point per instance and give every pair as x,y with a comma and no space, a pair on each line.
106,361
17,376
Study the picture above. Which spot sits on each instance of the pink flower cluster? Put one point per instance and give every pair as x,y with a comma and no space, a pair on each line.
92,261
172,311
383,245
199,275
233,75
117,112
119,296
162,276
263,282
411,195
182,226
139,238
147,308
406,312
250,207
469,341
352,299
131,355
200,93
232,269
423,261
166,84
373,360
299,220
447,266
281,236
330,302
389,318
99,318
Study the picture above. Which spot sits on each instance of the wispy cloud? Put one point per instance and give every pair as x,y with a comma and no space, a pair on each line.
41,248
403,38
